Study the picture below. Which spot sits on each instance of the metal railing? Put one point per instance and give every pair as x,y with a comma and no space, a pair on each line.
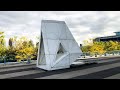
97,54
4,60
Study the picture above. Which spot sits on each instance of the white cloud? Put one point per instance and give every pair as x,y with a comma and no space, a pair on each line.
83,24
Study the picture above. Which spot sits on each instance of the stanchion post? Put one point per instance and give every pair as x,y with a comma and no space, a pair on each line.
4,59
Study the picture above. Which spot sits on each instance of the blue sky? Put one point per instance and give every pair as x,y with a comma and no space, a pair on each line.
82,24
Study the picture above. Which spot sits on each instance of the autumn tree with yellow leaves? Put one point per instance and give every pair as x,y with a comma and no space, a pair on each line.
2,44
23,49
100,47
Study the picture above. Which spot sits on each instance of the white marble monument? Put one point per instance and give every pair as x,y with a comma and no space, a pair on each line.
57,47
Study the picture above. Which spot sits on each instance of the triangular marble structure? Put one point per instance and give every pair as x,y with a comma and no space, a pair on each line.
58,48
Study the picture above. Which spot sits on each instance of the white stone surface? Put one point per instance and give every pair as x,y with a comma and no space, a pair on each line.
59,46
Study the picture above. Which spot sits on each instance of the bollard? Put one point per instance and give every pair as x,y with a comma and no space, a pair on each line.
105,54
84,56
4,60
95,55
29,60
113,54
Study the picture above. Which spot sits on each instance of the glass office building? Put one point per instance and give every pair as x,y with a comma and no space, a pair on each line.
109,38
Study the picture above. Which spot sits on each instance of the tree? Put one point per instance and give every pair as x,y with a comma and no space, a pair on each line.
111,45
25,49
30,43
94,47
2,38
97,48
10,42
2,44
86,48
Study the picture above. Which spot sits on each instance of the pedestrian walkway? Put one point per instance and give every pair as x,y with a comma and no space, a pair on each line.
107,68
8,64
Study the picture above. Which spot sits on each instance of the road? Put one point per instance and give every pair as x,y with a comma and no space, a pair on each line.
107,68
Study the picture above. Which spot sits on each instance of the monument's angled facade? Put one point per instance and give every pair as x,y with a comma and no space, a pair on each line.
57,48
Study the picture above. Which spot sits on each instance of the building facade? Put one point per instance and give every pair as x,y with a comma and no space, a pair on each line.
109,38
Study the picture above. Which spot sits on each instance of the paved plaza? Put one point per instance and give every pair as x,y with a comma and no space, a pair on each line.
107,68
